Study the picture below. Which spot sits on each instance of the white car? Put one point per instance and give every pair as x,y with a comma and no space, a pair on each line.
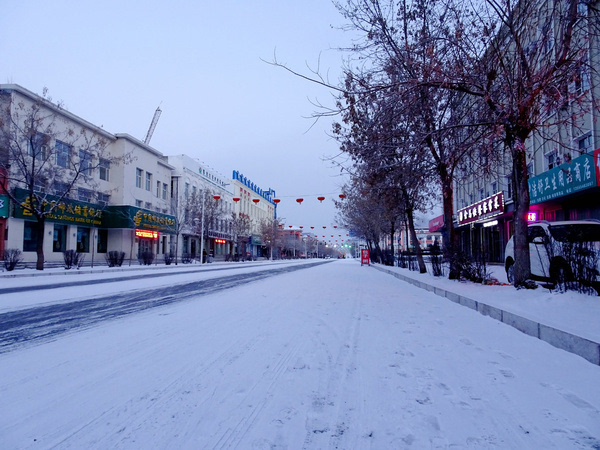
561,251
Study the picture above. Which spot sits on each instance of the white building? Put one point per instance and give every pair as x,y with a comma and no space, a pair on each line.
257,206
192,180
120,202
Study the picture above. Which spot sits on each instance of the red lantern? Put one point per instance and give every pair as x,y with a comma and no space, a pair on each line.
280,225
299,200
324,227
342,196
290,226
321,199
301,227
335,226
256,200
312,228
216,197
276,200
236,199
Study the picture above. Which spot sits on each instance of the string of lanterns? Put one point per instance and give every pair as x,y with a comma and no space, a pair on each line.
278,200
299,201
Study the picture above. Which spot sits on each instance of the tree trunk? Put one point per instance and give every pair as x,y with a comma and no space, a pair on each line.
522,269
413,236
393,232
41,221
450,238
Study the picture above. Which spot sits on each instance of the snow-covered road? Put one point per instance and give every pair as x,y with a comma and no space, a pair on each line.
334,356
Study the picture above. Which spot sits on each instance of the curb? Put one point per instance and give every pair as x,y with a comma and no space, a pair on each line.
588,350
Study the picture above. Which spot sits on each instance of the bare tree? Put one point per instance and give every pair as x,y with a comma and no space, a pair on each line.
515,62
241,226
46,157
270,235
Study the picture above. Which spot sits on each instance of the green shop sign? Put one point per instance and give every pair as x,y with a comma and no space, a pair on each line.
132,217
75,212
568,178
66,211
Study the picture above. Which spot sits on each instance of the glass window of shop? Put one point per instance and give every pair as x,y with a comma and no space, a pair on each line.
102,241
83,240
59,243
29,236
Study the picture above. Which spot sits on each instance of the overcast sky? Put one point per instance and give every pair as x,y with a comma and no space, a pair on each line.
114,62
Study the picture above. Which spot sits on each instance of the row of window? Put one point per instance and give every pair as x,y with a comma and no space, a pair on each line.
59,243
145,182
63,155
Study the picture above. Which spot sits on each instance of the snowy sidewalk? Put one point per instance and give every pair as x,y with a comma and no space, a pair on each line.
569,321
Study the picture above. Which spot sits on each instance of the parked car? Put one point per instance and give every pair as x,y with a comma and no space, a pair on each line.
561,252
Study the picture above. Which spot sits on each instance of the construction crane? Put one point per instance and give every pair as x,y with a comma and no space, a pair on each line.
152,126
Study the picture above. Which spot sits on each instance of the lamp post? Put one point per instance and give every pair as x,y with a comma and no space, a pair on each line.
201,231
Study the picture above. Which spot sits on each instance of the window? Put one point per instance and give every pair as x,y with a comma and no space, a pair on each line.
164,191
509,187
103,199
85,162
581,82
551,159
29,236
102,241
104,169
59,187
584,144
38,146
148,205
84,195
148,181
59,243
138,203
139,173
158,188
83,240
62,154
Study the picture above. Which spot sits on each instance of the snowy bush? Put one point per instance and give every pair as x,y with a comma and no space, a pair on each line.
12,257
146,258
169,257
73,258
437,267
115,258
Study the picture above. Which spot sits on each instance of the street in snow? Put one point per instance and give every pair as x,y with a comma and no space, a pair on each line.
331,356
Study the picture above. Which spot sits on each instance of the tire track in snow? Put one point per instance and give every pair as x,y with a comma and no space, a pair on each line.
43,323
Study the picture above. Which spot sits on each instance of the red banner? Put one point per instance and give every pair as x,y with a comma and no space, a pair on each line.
364,256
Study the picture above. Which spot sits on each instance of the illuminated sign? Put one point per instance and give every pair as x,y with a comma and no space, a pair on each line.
485,209
491,223
531,216
220,241
146,234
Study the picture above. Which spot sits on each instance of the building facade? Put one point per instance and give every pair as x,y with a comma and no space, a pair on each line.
192,182
129,197
563,164
256,206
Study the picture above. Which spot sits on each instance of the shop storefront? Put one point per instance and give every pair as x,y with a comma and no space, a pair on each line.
481,228
88,228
